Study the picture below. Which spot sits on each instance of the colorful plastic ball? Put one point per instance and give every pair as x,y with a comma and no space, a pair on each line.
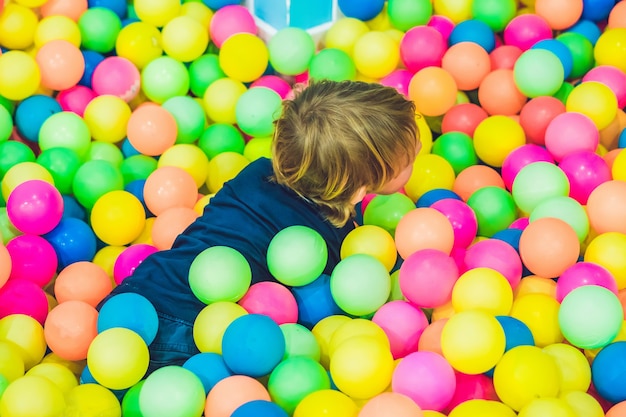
20,296
151,129
203,71
253,345
13,153
424,228
328,402
498,94
442,24
209,367
425,377
561,51
398,79
482,288
169,224
496,14
167,187
437,194
190,118
91,399
231,393
256,111
434,90
18,25
229,20
386,211
211,323
462,218
274,82
94,179
609,49
607,369
172,390
221,137
343,33
586,171
332,64
116,76
489,144
538,72
463,118
26,334
157,13
612,78
516,332
130,259
57,27
244,57
184,38
504,57
291,50
163,78
83,281
468,62
20,75
220,99
362,11
17,398
315,301
66,130
364,275
300,341
33,259
61,64
405,15
372,240
73,240
397,403
403,324
260,407
495,209
583,403
590,316
271,299
75,99
525,30
375,54
559,14
536,182
602,206
107,116
99,27
139,42
427,277
7,264
35,207
482,407
117,217
536,116
595,100
70,329
475,31
519,158
421,47
497,255
472,354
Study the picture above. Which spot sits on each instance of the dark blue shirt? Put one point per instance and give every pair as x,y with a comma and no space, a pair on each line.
244,215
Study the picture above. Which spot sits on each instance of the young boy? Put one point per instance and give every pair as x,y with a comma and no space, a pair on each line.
333,143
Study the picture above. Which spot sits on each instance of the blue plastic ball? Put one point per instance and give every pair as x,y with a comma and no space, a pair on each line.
72,208
92,59
135,187
32,112
361,9
315,301
588,29
118,7
597,10
516,333
218,4
475,31
561,51
128,149
253,345
608,372
131,311
432,196
209,367
510,236
258,408
73,241
621,140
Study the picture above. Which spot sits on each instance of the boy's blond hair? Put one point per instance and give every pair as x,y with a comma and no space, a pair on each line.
333,138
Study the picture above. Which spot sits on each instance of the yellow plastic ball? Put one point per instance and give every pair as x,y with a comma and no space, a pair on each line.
540,313
574,369
57,27
344,33
533,284
220,100
327,403
22,172
455,10
524,373
610,48
76,367
583,404
107,117
32,396
362,367
60,375
146,234
371,240
607,250
496,137
431,413
184,38
257,148
157,12
140,43
430,172
118,358
323,332
202,203
381,21
11,362
211,323
17,26
553,407
425,134
355,328
197,10
472,341
483,408
92,400
223,167
244,57
106,257
25,332
595,100
483,289
19,75
376,54
118,217
188,157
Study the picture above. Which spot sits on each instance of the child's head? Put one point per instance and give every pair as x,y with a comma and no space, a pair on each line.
337,140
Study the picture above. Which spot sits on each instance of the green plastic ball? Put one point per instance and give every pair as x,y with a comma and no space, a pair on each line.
538,72
13,152
95,178
99,27
495,13
62,163
190,118
457,148
256,111
202,72
107,151
582,52
495,209
221,137
172,391
386,211
164,78
291,50
137,167
332,64
405,14
65,130
536,182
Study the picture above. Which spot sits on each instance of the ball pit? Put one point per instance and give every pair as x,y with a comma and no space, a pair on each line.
491,285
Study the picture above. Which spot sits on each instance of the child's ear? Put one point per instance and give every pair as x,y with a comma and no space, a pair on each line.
359,195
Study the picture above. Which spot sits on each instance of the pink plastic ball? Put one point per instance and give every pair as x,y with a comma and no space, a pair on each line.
520,224
427,277
462,217
398,79
504,57
271,299
498,255
526,30
570,132
472,387
421,47
75,99
464,117
403,323
229,20
537,114
35,207
584,273
20,296
116,76
33,259
130,258
427,378
443,24
273,82
519,158
613,78
585,170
